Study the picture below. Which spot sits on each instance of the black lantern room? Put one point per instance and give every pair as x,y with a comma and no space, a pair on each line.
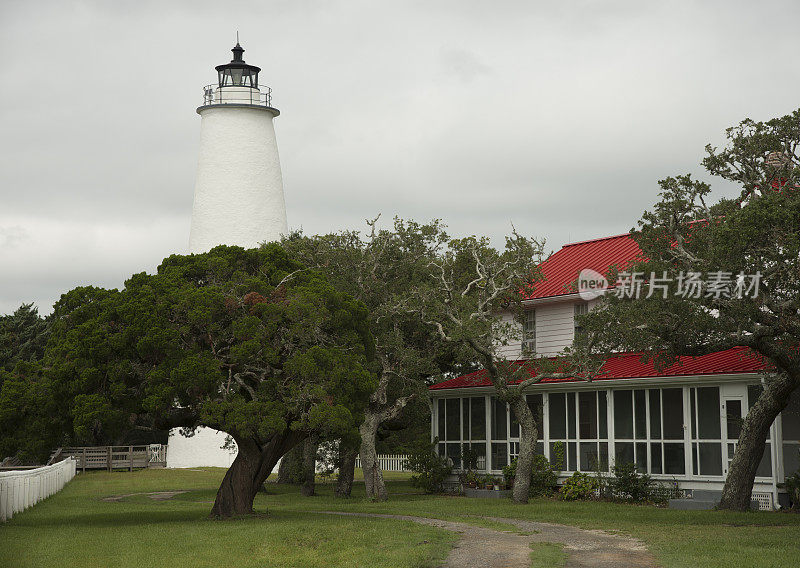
237,73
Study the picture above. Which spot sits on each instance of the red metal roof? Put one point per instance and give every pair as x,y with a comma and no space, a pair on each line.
631,366
561,269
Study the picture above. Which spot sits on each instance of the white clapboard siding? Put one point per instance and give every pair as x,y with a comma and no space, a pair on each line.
22,489
389,462
555,327
514,347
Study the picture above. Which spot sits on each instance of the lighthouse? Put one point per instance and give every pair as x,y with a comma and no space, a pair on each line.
238,195
238,200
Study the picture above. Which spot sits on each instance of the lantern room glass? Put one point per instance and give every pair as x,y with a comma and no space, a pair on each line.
238,77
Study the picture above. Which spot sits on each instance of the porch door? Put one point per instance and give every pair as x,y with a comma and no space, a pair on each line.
734,410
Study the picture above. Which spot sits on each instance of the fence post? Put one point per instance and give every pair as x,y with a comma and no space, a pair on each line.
109,457
130,458
84,459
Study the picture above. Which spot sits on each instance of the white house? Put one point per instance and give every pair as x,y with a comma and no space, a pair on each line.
679,424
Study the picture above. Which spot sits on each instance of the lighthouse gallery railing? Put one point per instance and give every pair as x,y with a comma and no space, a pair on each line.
215,95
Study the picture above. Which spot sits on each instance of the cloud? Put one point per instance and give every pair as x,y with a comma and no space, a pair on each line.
560,117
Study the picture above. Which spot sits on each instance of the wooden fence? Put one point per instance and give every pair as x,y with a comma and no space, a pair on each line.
115,457
22,489
393,462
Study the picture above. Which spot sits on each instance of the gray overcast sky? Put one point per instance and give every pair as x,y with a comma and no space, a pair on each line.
557,116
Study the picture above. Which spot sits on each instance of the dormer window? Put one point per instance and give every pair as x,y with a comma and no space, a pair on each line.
581,309
529,333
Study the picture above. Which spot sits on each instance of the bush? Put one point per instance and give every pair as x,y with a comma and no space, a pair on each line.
579,487
793,489
630,485
430,468
543,478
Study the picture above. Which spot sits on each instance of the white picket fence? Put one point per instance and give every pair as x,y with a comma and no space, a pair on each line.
22,489
389,462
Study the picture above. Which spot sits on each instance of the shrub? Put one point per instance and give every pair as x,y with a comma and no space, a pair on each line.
793,489
578,487
543,478
430,468
630,485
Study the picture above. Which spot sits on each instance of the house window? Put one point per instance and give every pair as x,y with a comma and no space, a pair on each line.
581,308
648,429
461,424
706,431
790,420
529,332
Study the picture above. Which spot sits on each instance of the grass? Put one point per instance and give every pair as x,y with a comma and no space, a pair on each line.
76,528
546,555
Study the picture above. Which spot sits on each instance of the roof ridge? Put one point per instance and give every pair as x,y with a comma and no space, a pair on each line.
596,240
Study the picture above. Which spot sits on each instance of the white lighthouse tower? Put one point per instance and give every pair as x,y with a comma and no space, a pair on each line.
238,196
238,200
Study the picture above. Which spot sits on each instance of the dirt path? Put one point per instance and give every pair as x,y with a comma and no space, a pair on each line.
154,495
479,546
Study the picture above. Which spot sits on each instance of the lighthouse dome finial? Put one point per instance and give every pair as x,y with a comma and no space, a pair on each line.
237,50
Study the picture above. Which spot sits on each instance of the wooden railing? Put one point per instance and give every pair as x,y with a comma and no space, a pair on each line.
22,489
389,462
117,457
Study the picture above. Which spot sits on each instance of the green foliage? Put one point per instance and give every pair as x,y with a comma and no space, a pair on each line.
793,489
430,468
23,336
244,341
630,485
558,456
580,486
543,477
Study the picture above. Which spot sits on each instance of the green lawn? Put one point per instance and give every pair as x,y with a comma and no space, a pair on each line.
76,528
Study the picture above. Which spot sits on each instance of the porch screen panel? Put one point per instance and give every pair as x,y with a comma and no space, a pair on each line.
440,419
623,414
790,419
557,403
478,418
672,411
453,419
499,430
706,430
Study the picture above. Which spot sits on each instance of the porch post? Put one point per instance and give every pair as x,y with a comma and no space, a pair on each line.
488,401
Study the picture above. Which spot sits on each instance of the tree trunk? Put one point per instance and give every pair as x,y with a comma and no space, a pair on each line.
527,445
290,470
310,448
738,489
373,476
247,473
347,466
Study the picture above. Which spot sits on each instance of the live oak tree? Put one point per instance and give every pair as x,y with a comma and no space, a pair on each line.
380,269
746,254
244,341
469,286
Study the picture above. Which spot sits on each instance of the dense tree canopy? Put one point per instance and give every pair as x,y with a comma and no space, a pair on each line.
244,341
382,269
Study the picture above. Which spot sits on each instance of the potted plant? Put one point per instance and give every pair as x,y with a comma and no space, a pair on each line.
489,483
472,479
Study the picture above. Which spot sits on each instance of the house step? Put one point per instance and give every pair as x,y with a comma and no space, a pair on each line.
706,495
692,504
